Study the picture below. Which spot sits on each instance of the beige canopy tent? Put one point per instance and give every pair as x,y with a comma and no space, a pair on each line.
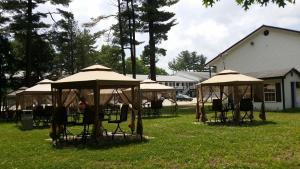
38,94
152,91
12,98
97,78
231,84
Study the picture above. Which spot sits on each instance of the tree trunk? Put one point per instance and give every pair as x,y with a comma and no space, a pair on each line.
151,45
121,38
133,40
72,48
28,43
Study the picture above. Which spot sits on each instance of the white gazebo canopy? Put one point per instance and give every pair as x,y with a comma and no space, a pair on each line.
230,77
97,78
97,74
42,87
230,82
38,94
150,85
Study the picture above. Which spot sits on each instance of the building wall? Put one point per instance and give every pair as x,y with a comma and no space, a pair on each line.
279,50
274,106
261,53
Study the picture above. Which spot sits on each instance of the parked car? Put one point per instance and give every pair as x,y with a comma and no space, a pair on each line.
182,97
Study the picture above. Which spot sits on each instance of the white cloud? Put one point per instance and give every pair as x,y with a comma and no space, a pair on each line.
206,30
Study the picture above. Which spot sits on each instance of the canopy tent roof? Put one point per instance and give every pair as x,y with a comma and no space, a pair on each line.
14,93
42,87
150,85
95,74
230,77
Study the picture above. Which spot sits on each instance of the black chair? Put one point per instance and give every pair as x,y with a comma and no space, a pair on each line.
60,119
156,105
122,118
47,114
88,119
218,107
246,105
38,112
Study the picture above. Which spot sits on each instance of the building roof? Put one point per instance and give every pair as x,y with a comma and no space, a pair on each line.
271,74
263,27
164,78
196,76
230,77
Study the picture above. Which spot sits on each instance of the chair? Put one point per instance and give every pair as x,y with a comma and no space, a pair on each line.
60,119
122,118
156,105
37,115
47,114
218,107
88,119
246,105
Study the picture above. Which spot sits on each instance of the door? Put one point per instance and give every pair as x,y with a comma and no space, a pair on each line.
297,94
293,94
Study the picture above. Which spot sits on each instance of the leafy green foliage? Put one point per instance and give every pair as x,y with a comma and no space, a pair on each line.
247,3
63,37
188,61
25,23
110,56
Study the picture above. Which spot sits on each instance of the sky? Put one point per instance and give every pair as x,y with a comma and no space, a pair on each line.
208,31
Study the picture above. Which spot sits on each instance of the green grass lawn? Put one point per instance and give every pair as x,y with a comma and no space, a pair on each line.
177,143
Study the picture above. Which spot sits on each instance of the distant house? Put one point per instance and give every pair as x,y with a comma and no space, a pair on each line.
272,54
183,82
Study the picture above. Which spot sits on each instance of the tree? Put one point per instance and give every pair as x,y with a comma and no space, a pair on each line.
5,54
157,23
110,56
26,21
247,3
63,37
85,49
123,32
188,61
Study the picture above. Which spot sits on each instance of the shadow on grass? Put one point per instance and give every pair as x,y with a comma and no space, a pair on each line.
242,124
160,117
102,145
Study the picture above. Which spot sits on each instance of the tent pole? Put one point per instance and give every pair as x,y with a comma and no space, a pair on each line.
203,115
139,127
236,104
132,125
97,122
221,98
197,107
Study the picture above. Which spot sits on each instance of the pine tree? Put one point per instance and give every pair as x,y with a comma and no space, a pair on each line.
63,36
157,23
26,22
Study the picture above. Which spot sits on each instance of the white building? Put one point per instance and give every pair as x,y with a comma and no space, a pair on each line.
272,54
183,82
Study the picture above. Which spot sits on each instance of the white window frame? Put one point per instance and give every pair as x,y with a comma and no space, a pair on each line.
270,92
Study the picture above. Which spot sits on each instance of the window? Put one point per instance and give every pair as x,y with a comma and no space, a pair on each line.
298,85
177,84
270,92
